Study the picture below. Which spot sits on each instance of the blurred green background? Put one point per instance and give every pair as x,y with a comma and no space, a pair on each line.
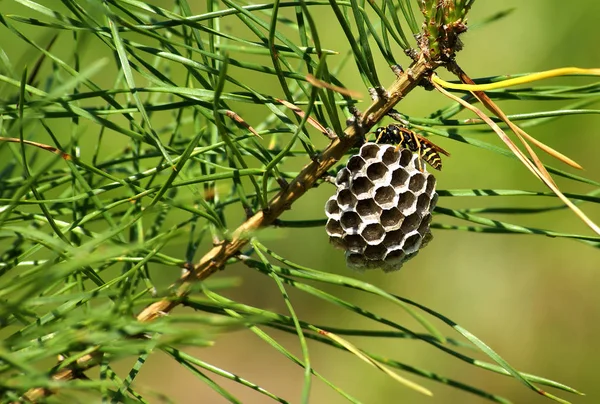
533,299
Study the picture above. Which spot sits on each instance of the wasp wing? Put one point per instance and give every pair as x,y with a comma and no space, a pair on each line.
429,143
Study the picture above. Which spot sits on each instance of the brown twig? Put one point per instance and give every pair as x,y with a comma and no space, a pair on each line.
52,149
216,258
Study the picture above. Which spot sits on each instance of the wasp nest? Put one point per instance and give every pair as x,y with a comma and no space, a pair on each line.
381,212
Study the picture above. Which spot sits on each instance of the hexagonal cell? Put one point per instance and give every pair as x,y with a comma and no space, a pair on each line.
390,156
345,199
373,233
369,150
356,261
393,239
395,264
433,203
395,259
355,164
391,219
375,252
411,222
338,243
417,182
334,228
385,197
412,242
405,157
350,221
354,243
377,172
361,187
343,177
332,209
430,184
423,203
367,208
399,178
426,239
424,226
406,203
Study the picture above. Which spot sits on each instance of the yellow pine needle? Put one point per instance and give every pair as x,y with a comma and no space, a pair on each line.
549,183
554,153
563,71
521,80
519,132
351,348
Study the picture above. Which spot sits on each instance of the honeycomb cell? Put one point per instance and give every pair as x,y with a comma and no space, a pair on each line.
395,264
430,185
369,151
417,183
385,197
424,226
426,239
355,164
412,242
391,219
373,233
345,199
406,157
399,179
377,172
393,239
350,221
338,243
361,187
375,252
395,255
334,228
332,209
356,261
406,203
433,203
355,243
410,223
423,202
368,209
342,178
390,156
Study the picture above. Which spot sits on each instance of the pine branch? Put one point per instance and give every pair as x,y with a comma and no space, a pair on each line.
215,259
437,44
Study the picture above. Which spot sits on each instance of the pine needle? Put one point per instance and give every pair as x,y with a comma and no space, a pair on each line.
541,175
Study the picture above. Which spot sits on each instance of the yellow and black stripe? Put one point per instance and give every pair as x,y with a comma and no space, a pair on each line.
431,156
403,137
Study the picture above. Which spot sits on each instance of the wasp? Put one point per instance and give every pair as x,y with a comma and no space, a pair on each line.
404,137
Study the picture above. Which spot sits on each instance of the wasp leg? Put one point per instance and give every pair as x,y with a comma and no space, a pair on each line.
419,162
